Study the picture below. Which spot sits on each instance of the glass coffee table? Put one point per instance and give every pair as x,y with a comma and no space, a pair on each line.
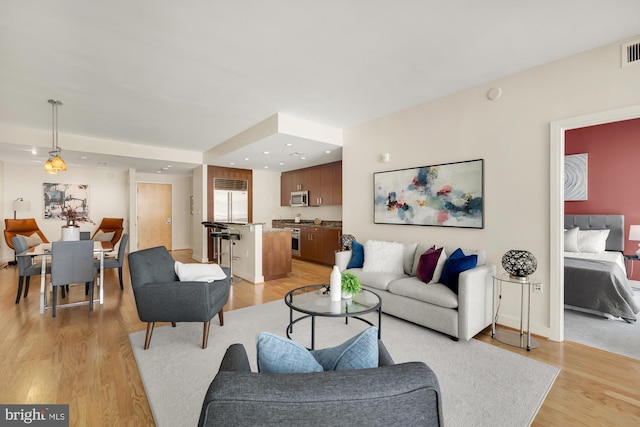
315,300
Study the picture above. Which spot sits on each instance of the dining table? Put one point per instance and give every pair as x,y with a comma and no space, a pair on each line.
43,251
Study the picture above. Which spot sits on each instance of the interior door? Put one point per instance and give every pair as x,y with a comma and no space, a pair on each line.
154,215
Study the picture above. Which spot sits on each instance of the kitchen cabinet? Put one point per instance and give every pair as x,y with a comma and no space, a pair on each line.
323,182
319,244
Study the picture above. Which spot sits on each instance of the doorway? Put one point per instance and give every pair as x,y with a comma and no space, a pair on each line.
154,210
556,216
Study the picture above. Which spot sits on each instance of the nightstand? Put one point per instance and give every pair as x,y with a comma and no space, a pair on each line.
628,262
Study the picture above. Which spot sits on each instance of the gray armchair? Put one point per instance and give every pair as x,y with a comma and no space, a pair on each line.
161,297
406,394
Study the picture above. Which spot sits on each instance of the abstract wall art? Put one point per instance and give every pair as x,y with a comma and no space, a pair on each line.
59,198
446,195
575,177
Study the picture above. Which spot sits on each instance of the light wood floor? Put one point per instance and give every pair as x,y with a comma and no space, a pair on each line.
85,360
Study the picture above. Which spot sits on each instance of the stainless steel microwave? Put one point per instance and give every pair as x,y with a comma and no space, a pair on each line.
299,198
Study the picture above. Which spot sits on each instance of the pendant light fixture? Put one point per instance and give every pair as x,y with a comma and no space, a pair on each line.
55,163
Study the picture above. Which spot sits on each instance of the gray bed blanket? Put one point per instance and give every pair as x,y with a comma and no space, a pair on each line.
599,285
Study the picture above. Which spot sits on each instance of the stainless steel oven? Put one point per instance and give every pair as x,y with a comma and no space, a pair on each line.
295,241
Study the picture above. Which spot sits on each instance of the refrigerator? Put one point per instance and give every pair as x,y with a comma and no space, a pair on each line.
230,201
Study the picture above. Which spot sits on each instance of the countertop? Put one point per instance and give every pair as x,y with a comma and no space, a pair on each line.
275,230
306,223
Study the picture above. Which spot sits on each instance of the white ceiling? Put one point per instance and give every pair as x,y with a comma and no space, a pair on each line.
193,74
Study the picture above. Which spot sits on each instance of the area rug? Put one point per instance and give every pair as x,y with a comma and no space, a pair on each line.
482,385
612,335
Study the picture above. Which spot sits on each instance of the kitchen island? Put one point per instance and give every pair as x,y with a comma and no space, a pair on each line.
261,254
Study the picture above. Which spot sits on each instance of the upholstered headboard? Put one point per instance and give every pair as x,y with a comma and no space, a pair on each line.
615,223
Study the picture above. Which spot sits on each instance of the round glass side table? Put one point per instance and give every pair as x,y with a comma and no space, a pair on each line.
522,338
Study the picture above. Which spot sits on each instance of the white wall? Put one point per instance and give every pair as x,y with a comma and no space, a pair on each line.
107,196
512,135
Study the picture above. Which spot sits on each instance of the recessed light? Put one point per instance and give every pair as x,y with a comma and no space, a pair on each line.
266,167
266,152
34,151
303,158
288,144
327,152
83,157
281,163
159,172
168,166
164,169
246,158
232,163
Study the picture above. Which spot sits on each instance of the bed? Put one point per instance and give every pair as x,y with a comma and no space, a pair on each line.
595,277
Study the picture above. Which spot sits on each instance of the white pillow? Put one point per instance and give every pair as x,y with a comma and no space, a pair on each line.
199,272
101,236
594,241
571,240
383,257
439,267
33,240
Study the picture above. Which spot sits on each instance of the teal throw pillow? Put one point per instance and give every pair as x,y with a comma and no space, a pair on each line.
277,355
456,264
359,352
357,255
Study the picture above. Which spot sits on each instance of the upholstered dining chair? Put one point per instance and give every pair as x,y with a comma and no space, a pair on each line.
116,262
161,297
26,266
72,262
107,226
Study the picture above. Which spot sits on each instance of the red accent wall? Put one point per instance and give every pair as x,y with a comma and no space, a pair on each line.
613,173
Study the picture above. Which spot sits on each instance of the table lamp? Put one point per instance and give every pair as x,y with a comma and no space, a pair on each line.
519,264
634,236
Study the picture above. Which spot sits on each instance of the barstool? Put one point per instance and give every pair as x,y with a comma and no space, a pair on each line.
215,233
228,234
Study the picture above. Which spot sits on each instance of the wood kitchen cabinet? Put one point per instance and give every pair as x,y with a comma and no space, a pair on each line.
319,244
323,182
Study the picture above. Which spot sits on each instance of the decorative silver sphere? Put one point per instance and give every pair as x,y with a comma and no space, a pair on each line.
519,264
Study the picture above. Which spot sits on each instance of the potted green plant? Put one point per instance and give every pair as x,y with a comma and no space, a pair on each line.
350,285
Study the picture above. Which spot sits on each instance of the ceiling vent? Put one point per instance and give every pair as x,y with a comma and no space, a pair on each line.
631,53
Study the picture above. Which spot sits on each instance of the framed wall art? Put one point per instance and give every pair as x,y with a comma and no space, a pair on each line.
59,198
446,195
576,176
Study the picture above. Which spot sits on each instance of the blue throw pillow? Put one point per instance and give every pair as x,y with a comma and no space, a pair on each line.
277,355
357,255
359,352
456,264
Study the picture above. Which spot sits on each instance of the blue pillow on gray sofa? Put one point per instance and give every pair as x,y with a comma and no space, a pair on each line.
278,355
357,255
456,264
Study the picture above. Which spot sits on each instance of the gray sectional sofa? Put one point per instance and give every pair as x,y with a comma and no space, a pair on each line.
436,306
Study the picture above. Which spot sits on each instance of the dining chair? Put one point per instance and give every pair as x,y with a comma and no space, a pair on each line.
72,262
116,262
108,226
26,266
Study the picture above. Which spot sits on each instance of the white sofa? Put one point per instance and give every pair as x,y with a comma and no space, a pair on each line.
435,306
